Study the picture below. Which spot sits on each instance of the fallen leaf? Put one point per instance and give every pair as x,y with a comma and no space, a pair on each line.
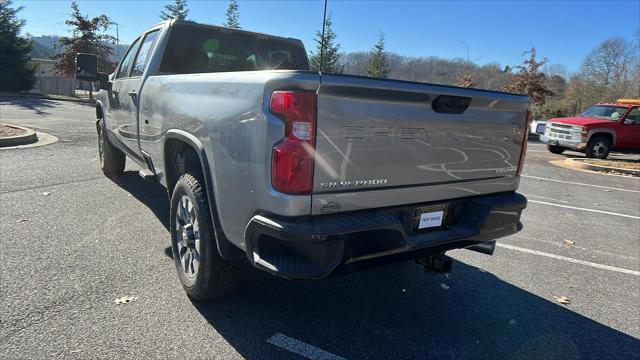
129,195
445,286
607,190
45,193
125,299
569,243
562,300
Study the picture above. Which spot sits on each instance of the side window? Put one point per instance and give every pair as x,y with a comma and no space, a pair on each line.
143,54
125,64
634,117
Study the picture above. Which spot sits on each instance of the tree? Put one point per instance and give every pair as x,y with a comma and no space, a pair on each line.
378,60
87,37
530,80
610,68
233,15
327,61
16,74
466,81
178,10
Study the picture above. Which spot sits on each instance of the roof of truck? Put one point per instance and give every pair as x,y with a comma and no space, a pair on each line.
189,22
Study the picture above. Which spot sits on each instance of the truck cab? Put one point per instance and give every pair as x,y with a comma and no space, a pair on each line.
603,128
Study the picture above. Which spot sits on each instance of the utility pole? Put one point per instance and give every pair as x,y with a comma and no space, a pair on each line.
117,41
324,42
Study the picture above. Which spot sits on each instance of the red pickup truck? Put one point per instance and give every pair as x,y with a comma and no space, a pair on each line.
599,130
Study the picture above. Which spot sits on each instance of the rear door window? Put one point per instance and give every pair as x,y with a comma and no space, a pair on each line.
195,49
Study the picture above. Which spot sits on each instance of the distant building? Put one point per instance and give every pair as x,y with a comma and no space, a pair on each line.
44,67
48,82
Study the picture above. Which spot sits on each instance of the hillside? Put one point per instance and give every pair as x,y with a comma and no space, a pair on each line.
44,47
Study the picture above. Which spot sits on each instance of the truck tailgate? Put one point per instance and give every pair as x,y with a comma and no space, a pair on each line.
379,134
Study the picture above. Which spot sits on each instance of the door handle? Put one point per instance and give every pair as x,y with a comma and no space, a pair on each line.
132,93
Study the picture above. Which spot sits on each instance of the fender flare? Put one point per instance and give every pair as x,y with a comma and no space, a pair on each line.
225,247
596,131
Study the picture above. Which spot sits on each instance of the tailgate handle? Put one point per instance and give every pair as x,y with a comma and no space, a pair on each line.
447,104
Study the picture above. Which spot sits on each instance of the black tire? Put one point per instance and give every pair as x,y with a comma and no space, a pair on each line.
112,160
213,277
598,147
555,149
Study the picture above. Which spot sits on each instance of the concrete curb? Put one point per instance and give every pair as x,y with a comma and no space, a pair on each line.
27,138
581,164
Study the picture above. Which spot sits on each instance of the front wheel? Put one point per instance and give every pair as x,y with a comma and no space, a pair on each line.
598,147
555,149
202,271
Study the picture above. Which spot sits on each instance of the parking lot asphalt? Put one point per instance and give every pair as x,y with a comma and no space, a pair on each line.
73,241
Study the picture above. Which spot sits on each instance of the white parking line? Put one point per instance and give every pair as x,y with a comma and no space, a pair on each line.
301,348
584,209
581,184
571,260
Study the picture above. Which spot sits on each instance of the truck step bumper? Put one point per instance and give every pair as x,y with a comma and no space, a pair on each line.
314,247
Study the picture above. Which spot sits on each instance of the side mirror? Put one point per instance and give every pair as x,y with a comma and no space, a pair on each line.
86,67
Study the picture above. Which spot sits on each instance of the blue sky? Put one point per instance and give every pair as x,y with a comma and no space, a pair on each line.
490,31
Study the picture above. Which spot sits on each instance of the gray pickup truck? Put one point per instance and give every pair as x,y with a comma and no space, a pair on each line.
305,174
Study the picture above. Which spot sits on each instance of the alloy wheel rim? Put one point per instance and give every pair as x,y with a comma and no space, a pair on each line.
599,148
187,238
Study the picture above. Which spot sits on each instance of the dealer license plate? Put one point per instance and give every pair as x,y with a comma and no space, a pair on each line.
430,217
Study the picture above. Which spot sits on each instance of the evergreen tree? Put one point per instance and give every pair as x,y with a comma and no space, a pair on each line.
466,81
87,37
530,80
178,10
378,60
233,16
330,62
16,73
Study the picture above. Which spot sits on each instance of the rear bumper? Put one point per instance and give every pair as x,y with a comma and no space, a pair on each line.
313,247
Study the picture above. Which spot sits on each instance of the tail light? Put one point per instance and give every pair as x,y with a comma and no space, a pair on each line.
292,157
523,148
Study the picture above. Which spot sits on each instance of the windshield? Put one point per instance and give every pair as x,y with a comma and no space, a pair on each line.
607,112
197,49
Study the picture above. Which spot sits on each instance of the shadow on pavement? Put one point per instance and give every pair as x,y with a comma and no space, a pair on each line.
151,194
37,104
397,312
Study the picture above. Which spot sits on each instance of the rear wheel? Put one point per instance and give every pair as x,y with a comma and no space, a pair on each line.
598,147
555,149
112,160
202,271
